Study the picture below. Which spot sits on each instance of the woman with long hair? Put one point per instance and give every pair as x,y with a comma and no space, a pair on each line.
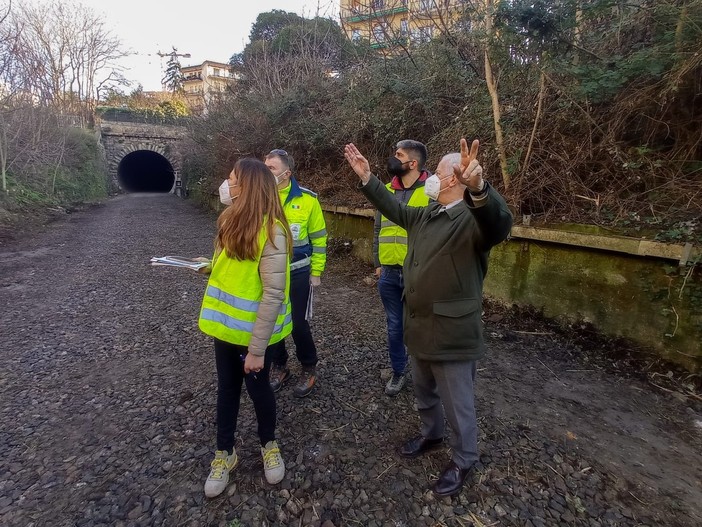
246,309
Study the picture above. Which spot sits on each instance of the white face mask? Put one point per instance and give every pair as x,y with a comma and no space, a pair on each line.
280,177
224,195
432,186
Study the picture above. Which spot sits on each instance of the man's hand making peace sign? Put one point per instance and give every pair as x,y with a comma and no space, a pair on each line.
470,173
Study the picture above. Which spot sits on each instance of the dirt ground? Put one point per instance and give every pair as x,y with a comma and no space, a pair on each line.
107,399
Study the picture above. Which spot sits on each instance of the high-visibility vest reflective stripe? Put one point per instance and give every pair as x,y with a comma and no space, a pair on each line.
392,239
230,307
300,263
240,325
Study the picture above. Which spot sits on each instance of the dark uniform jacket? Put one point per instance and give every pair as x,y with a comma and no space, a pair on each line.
446,263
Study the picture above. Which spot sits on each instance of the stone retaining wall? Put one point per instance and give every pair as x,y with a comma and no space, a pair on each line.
646,291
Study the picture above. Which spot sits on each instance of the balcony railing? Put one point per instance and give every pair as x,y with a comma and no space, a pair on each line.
221,76
390,43
369,13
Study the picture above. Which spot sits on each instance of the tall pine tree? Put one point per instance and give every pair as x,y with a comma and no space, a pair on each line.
173,78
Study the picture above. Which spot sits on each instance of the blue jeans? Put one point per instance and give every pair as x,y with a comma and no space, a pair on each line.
390,288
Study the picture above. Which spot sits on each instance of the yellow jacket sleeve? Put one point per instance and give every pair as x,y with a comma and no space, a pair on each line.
317,231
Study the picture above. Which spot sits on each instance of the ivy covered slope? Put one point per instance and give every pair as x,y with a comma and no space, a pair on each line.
50,83
49,165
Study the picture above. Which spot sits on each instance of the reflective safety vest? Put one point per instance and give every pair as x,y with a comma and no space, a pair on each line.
392,239
234,292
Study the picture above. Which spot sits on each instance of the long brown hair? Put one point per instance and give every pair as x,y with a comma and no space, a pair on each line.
239,226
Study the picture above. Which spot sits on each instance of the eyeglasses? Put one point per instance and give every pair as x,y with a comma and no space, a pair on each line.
278,152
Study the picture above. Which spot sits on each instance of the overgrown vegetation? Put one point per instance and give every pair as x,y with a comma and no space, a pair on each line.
597,102
53,67
48,163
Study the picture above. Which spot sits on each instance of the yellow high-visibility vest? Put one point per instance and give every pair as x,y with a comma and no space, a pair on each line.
233,295
392,239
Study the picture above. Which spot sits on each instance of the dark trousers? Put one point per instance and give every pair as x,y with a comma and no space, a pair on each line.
390,288
305,349
230,376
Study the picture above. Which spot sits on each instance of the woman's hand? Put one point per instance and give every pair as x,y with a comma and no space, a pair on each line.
253,363
204,270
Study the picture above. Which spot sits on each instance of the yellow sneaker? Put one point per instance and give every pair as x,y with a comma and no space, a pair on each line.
221,465
273,465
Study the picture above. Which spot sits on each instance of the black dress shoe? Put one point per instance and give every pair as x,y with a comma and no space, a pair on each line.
418,445
451,480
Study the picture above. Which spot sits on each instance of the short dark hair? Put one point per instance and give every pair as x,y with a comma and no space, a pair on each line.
284,157
414,147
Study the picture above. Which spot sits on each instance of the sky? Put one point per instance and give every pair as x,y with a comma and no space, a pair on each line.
207,29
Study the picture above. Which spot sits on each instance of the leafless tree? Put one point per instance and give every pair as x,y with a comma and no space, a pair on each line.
65,54
311,52
8,42
54,60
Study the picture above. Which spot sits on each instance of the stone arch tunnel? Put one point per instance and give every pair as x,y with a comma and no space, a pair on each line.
143,156
145,171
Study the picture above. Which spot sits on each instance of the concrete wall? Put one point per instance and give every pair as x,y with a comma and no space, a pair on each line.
646,291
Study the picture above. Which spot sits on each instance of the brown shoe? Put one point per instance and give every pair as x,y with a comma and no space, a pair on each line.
308,378
279,375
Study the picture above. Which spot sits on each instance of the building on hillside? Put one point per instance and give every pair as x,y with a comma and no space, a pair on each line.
390,25
204,82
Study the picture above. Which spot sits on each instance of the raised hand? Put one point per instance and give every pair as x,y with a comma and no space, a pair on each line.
357,162
466,155
470,173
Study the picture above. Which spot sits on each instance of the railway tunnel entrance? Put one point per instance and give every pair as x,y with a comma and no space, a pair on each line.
145,171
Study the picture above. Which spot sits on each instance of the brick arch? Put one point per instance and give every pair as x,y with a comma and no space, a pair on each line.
159,148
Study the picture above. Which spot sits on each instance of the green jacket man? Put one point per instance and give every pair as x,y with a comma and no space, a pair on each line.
449,242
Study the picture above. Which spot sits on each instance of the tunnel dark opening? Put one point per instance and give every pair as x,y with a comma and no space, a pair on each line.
145,171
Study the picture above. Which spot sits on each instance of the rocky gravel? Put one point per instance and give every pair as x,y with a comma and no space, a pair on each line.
107,404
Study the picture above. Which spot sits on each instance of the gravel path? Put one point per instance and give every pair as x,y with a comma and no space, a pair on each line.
107,399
